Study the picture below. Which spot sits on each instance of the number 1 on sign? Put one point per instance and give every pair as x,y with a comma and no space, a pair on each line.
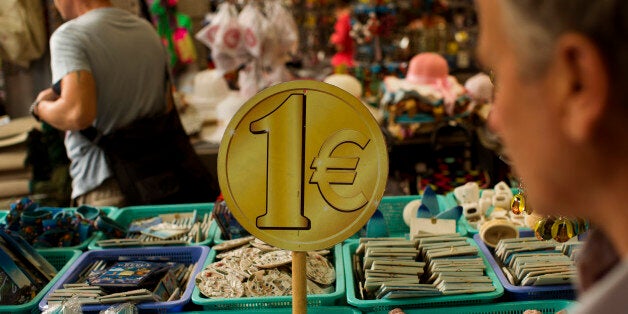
284,128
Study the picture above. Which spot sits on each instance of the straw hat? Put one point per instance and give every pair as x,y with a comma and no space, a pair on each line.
351,85
346,82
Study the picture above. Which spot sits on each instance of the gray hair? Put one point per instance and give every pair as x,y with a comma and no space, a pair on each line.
535,25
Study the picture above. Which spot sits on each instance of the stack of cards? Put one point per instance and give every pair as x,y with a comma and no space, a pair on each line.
427,265
230,228
454,266
171,285
390,264
165,229
531,262
86,294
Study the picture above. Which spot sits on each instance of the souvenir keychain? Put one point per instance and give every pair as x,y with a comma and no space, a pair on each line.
549,227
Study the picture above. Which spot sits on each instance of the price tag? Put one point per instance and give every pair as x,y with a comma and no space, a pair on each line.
303,165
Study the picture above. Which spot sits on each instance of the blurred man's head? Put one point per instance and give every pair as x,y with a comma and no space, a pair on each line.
70,9
559,67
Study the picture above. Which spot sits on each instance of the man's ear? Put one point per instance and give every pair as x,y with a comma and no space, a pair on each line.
585,86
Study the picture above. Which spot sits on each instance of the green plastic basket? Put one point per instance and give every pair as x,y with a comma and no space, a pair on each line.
126,215
545,307
62,259
310,310
314,300
438,301
392,209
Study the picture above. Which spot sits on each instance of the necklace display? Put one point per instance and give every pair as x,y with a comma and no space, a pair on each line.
548,227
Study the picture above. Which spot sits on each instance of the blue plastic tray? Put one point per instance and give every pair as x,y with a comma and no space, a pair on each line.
523,293
184,254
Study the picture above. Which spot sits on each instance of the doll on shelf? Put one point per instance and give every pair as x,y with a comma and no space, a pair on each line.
341,38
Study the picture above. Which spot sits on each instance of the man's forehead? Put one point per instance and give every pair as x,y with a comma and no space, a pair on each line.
490,14
491,28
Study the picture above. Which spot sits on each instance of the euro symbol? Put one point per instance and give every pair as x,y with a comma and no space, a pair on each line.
330,170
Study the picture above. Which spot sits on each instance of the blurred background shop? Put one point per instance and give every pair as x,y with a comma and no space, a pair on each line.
411,62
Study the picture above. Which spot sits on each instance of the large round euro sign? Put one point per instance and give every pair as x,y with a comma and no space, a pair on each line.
303,165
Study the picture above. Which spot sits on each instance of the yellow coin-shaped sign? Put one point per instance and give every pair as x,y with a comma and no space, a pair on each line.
303,165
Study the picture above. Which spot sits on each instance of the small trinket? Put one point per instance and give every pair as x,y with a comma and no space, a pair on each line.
543,228
518,204
562,230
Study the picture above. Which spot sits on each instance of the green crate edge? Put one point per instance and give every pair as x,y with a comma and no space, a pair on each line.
440,301
394,218
314,300
150,210
32,305
341,309
543,306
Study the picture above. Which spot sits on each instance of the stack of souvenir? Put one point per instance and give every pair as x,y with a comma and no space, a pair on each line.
48,227
248,267
531,269
490,207
155,279
247,273
160,227
15,176
427,265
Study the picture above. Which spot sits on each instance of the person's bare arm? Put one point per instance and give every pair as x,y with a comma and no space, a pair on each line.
75,108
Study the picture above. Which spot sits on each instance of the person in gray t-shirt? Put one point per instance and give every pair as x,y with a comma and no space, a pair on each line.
111,67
